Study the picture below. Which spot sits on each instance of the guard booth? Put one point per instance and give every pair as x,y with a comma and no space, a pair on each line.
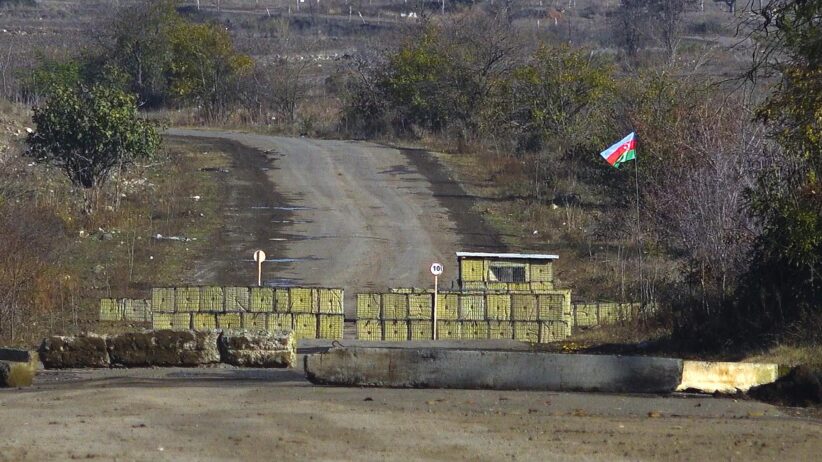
481,271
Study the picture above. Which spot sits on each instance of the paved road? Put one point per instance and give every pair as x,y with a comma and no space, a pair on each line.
358,215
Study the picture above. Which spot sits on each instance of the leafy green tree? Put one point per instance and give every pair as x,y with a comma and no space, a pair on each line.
89,133
785,284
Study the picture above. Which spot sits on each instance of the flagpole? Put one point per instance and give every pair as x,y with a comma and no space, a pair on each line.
638,225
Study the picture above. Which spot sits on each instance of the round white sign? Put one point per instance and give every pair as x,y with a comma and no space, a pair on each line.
436,269
259,256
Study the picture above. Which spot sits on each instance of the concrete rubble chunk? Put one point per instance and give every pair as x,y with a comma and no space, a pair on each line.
258,348
168,348
65,352
16,374
497,370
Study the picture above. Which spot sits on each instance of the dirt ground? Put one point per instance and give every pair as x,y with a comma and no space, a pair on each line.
242,414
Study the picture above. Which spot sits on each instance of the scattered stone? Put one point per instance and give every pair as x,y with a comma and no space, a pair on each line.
259,349
168,348
65,352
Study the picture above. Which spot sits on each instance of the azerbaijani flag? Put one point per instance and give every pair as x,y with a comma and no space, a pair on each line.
623,151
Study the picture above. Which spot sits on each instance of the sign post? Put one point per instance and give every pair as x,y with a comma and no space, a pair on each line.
259,257
436,270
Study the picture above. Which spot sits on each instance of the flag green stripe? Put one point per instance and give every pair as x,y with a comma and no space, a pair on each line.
629,155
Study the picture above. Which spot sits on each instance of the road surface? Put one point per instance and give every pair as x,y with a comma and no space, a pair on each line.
356,215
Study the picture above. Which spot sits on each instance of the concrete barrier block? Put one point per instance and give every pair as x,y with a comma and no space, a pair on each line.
258,348
331,301
236,299
261,300
280,321
164,348
448,330
726,377
524,307
553,331
495,370
500,330
368,306
474,330
302,300
420,306
526,331
395,306
204,321
187,299
369,329
227,321
212,299
16,374
19,355
448,306
110,310
420,330
395,330
254,321
162,300
330,326
66,352
499,307
305,325
472,307
281,301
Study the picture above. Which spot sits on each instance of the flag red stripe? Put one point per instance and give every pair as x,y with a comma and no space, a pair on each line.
620,151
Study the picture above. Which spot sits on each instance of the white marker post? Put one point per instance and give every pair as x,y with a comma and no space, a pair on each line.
259,257
436,270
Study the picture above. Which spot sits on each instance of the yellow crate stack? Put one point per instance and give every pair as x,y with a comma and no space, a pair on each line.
261,300
187,299
395,330
474,330
302,300
420,330
368,306
448,330
305,325
204,321
173,321
369,329
526,331
524,307
330,326
500,330
330,301
110,310
448,306
254,321
499,307
281,302
395,306
472,307
553,331
212,299
280,321
236,299
162,300
419,306
228,321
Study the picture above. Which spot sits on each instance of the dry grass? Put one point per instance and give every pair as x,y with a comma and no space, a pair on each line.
789,355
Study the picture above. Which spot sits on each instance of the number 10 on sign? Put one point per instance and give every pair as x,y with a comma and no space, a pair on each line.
436,270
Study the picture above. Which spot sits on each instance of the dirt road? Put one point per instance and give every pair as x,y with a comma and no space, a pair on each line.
348,214
236,414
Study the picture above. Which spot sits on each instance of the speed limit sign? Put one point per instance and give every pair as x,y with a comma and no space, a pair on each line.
436,269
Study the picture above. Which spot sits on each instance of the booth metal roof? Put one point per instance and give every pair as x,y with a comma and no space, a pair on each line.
512,256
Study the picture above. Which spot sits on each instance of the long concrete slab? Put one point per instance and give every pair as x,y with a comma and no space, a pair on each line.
502,370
